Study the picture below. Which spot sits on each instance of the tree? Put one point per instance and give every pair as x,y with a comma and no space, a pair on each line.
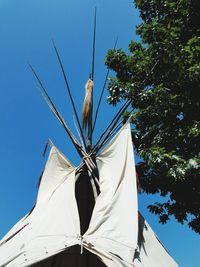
161,76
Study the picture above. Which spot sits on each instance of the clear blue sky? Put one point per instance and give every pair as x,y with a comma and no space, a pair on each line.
26,29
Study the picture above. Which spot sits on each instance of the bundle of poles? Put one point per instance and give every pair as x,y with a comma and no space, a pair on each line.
84,147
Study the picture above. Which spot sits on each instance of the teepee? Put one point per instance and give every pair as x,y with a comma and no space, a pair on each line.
86,215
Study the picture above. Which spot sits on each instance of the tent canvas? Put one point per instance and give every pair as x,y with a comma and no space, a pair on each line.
53,226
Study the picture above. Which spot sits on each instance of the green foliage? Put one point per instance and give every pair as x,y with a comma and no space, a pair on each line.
161,75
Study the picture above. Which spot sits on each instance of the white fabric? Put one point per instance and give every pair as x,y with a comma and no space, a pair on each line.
114,223
152,252
54,223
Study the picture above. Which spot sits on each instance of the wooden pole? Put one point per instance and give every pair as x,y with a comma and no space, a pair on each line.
102,91
69,92
90,125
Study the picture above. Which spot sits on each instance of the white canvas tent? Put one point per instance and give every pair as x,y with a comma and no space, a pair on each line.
86,216
54,226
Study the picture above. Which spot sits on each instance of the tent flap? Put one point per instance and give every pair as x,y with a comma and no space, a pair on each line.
53,224
114,223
